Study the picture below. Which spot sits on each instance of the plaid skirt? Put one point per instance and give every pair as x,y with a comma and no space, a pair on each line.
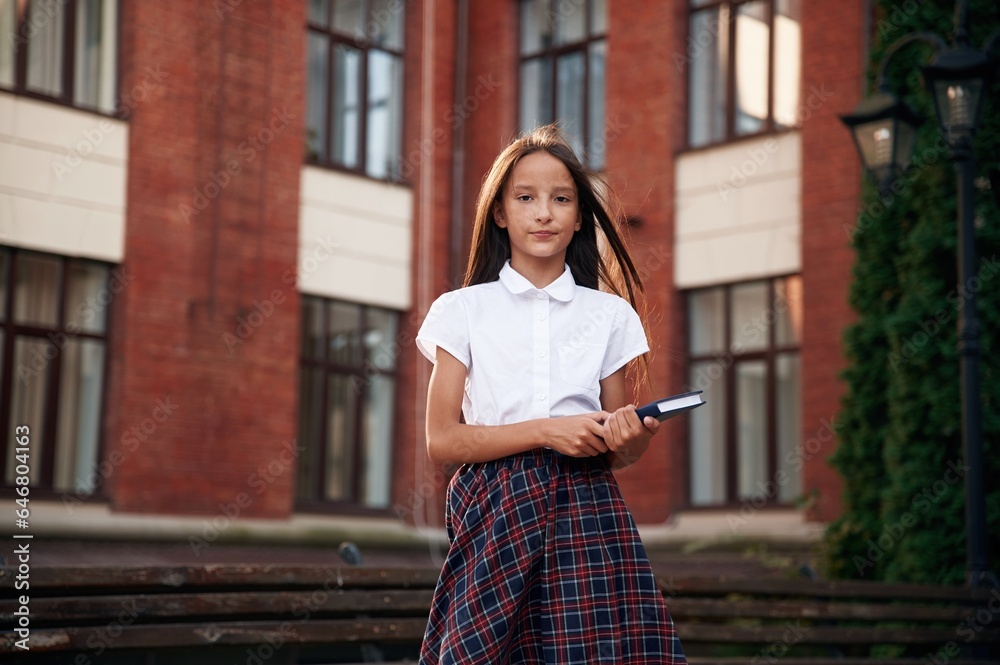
545,566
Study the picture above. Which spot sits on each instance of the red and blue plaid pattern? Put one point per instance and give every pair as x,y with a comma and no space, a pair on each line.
545,566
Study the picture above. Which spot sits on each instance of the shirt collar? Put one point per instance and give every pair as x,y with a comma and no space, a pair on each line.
562,288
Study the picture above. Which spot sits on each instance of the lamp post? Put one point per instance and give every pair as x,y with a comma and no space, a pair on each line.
884,129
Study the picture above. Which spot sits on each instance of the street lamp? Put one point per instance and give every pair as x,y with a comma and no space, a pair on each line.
958,78
884,129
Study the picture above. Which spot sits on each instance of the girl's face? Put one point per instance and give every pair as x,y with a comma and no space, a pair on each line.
540,210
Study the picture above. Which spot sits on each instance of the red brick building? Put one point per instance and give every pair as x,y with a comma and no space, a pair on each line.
223,223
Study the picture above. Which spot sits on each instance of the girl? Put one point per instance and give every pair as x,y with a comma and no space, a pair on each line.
545,563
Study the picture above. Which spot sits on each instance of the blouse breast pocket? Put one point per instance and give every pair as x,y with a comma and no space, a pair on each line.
580,364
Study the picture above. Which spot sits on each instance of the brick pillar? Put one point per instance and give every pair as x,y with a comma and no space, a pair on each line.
645,115
832,71
210,323
419,486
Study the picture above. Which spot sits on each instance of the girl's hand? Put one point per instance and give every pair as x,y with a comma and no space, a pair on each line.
626,437
577,436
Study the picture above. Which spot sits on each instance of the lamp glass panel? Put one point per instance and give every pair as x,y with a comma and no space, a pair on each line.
875,142
906,136
957,101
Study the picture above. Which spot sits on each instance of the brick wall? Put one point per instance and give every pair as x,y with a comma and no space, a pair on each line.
211,238
645,128
209,249
832,71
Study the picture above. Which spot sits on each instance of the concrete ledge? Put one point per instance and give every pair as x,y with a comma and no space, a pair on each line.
97,521
722,528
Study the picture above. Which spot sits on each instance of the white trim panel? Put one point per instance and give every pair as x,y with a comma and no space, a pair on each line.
739,211
62,179
355,238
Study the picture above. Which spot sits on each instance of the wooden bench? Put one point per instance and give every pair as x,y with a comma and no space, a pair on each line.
274,613
804,622
321,614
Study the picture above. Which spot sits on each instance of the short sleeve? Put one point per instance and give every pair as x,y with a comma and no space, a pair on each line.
627,340
446,326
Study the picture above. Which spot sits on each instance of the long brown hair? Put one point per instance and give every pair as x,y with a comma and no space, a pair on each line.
591,267
491,244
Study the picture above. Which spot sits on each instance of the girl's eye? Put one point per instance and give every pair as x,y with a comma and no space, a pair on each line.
524,197
562,199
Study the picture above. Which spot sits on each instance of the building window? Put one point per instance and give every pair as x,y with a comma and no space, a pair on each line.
53,332
563,53
65,51
743,68
354,106
743,351
346,403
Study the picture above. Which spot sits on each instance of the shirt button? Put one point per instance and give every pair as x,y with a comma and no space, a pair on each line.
542,317
541,354
541,396
540,295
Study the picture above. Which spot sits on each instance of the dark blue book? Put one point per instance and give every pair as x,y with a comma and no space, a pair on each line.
668,407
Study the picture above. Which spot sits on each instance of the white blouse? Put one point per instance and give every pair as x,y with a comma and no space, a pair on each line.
532,353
